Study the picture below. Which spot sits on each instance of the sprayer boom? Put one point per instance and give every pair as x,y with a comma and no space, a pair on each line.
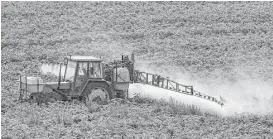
166,83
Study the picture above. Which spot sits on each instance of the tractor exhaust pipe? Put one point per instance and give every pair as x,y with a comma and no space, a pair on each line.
60,74
122,60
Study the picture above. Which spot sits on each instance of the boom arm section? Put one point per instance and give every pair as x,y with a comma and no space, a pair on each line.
166,83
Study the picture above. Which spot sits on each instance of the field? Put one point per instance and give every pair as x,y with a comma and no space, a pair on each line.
212,43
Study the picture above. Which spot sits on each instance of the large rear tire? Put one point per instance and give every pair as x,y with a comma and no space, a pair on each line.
97,92
97,95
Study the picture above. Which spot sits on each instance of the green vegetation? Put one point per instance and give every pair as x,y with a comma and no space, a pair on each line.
208,40
138,118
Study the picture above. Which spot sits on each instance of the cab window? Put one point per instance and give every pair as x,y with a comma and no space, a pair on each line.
82,72
95,70
70,71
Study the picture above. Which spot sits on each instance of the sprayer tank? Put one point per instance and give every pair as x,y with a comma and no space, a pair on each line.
121,78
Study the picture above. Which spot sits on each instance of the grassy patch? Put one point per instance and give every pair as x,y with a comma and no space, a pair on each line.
127,118
208,40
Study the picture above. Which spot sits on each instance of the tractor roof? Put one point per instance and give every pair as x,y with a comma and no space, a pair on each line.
84,58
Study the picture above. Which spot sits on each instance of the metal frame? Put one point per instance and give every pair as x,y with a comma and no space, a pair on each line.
166,83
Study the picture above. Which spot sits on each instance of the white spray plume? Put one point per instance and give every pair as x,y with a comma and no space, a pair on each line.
243,96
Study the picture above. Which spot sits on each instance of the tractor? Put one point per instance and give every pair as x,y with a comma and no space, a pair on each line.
88,79
85,78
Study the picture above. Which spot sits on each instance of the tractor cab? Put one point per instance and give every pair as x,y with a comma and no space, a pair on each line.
81,76
81,68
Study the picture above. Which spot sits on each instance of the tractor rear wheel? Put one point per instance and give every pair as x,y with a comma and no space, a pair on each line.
97,95
97,92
